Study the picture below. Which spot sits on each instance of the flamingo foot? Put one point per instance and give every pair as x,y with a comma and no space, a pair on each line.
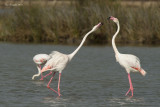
130,89
59,92
54,90
41,79
127,92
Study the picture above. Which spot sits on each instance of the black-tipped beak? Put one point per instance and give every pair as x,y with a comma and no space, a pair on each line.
108,18
101,23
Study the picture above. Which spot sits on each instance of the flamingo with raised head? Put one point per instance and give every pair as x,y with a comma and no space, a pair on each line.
130,62
40,59
59,60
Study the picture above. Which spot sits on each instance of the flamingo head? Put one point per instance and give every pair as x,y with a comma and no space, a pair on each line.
97,26
114,19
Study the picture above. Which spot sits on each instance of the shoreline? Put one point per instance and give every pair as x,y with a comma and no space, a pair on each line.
88,45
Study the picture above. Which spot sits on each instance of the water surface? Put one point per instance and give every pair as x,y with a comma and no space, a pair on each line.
91,79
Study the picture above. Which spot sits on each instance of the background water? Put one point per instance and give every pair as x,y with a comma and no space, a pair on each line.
92,78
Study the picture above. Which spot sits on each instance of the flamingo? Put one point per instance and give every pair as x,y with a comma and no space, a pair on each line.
40,59
131,63
59,60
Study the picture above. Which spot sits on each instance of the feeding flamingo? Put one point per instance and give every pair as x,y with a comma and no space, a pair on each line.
128,61
40,59
59,60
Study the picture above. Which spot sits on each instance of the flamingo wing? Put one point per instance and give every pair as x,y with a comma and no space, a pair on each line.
57,62
130,61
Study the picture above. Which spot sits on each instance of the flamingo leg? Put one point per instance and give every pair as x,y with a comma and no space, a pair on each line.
49,84
46,75
131,86
59,84
41,73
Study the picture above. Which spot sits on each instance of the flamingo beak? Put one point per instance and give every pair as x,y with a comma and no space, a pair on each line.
111,18
108,18
100,24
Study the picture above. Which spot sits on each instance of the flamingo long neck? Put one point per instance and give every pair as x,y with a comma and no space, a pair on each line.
113,39
74,52
39,73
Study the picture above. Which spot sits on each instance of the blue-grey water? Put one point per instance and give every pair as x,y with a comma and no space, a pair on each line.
92,79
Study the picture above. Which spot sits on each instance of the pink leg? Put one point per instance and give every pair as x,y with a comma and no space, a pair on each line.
131,86
46,75
40,69
41,73
49,84
59,84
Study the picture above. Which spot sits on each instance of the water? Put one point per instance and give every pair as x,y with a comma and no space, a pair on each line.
91,79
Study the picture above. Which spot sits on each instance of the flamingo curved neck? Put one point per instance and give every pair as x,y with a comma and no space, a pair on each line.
36,75
113,39
74,52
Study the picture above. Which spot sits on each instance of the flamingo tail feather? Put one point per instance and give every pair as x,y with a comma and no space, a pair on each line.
143,72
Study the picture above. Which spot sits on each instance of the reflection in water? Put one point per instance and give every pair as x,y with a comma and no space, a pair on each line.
125,101
55,101
38,82
135,100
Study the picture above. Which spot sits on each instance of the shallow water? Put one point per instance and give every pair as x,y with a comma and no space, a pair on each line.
91,79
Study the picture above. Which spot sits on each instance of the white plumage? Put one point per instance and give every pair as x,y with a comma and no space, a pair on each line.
128,61
58,61
39,60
